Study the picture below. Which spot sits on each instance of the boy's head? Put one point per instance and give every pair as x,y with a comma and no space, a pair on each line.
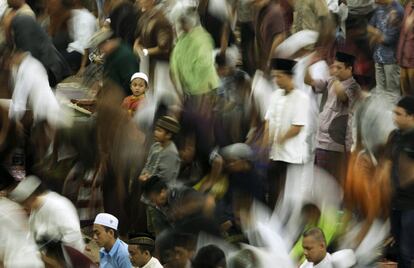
165,128
238,157
314,245
141,249
404,113
210,256
282,71
156,190
139,83
343,65
105,230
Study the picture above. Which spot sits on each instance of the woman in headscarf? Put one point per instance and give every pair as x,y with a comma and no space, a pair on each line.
28,36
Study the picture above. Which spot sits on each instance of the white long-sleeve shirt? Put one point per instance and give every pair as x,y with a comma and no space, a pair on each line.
32,91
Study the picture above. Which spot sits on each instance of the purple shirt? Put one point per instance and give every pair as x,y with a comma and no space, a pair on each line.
334,131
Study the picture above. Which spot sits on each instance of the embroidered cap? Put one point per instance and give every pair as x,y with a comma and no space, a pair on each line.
107,220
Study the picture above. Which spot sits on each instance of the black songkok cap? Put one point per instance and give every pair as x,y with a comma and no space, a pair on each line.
285,65
345,58
407,103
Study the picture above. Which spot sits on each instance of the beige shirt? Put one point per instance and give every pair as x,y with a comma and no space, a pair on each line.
307,14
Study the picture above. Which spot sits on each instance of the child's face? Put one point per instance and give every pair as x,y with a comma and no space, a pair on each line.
161,135
138,86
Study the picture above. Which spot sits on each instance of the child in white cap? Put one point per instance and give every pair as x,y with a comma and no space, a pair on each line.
113,252
139,85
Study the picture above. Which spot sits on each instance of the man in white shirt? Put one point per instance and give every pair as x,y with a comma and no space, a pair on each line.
314,247
52,216
286,120
141,249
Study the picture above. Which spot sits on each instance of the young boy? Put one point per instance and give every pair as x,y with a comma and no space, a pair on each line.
163,159
139,85
114,252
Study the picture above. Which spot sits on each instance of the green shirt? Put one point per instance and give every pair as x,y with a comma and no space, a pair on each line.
120,65
192,62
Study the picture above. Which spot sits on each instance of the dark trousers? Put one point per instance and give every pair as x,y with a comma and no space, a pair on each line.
276,179
402,229
332,162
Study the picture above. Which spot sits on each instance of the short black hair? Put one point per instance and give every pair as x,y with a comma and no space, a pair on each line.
407,103
154,184
107,229
316,233
209,256
6,179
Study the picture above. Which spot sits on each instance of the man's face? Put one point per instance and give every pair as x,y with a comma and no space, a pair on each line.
402,120
314,250
137,257
342,72
159,199
180,257
282,79
100,235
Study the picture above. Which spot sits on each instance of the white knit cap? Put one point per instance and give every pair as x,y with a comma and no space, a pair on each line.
24,189
140,75
107,220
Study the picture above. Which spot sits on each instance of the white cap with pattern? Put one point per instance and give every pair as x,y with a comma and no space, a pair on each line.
107,220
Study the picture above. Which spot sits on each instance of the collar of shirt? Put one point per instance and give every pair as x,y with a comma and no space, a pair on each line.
346,83
112,252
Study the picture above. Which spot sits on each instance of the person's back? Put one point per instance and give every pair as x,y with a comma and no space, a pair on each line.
57,219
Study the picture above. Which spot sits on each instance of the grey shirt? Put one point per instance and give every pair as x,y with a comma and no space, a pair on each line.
163,162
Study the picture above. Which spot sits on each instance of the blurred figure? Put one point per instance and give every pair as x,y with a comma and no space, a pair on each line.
28,36
141,252
314,246
18,7
52,216
405,52
384,30
334,138
177,248
194,74
113,252
18,248
119,60
31,90
399,152
174,206
209,256
270,31
233,103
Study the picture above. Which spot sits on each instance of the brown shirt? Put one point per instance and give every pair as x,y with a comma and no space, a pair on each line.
405,52
269,22
155,30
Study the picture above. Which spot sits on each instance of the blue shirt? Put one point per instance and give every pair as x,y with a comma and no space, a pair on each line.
117,257
387,19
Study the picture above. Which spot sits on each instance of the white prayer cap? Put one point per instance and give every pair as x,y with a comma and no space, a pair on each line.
107,220
24,189
140,75
296,42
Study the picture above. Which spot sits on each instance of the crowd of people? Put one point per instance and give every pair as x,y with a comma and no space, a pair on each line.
207,133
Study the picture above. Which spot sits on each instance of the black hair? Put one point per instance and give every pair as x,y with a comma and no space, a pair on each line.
316,233
143,248
154,184
220,60
407,103
209,256
107,229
